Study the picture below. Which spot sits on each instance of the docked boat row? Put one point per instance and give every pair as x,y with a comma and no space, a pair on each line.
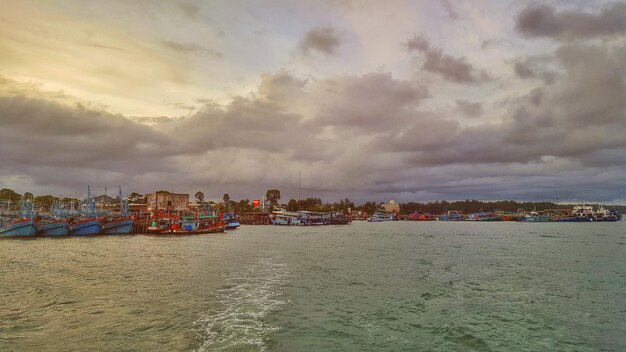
579,213
61,221
282,217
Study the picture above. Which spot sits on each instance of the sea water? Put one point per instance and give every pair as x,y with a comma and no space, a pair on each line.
392,286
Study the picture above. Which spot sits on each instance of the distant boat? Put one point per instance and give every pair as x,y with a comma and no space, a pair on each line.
288,220
452,215
483,217
534,216
416,216
230,221
380,216
605,215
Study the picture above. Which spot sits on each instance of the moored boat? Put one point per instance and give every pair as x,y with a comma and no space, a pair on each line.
54,228
417,216
230,221
20,228
451,215
605,215
380,216
117,227
482,216
86,227
535,216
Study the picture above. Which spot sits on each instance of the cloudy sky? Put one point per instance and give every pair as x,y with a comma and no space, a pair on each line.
371,100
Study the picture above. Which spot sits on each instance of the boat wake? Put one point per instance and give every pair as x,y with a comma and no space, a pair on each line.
238,321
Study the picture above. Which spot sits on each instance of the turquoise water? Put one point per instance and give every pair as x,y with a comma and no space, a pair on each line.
401,286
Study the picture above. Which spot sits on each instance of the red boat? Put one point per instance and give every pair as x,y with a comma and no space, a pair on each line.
421,217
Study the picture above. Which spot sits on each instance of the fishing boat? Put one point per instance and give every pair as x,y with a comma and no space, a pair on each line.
509,215
54,228
122,224
482,216
88,225
26,226
287,220
230,221
535,216
451,215
605,215
56,224
19,228
198,225
380,216
581,213
416,216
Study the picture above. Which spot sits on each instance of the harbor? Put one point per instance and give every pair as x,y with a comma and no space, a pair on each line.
166,213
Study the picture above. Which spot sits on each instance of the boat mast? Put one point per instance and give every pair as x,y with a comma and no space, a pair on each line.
298,189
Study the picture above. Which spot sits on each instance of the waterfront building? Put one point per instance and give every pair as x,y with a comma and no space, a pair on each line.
391,207
167,201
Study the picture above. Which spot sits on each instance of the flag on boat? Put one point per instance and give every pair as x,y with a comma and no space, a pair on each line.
256,203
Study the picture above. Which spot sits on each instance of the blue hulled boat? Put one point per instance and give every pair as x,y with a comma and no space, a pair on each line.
21,228
56,228
87,227
117,227
231,221
123,224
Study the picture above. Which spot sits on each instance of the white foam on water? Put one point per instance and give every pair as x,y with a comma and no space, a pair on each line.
238,320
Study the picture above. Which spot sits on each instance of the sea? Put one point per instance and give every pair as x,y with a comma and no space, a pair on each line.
391,286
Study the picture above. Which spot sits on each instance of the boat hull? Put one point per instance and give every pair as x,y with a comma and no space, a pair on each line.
577,219
213,229
86,228
120,227
233,225
24,228
59,228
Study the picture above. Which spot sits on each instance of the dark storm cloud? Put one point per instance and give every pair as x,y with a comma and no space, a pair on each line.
367,102
323,40
417,43
454,69
535,67
366,134
468,108
565,119
48,134
545,21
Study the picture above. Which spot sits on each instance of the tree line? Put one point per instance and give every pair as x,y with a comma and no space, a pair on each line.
273,197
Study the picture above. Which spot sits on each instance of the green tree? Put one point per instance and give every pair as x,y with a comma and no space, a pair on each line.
292,205
226,198
272,196
45,201
199,196
370,207
9,194
135,197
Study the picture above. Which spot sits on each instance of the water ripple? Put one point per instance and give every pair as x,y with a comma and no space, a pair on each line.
238,320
